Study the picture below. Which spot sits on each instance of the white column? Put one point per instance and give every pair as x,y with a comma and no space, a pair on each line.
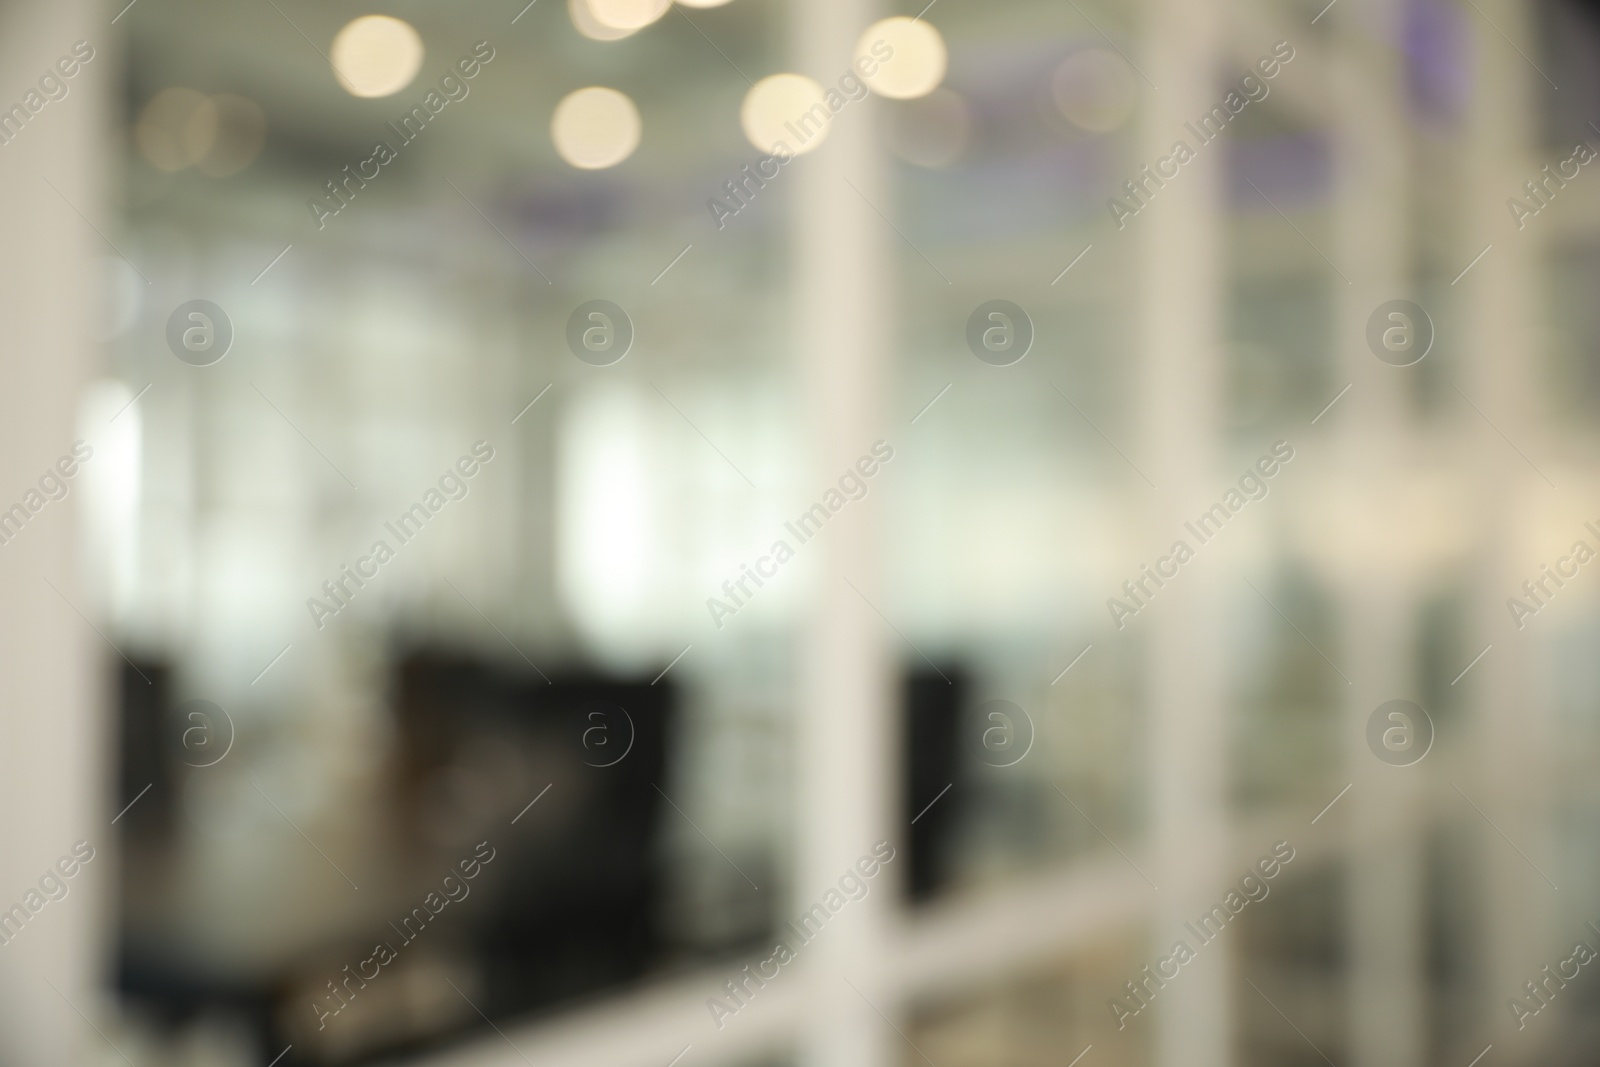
1386,915
1499,374
845,752
55,736
1181,282
1383,824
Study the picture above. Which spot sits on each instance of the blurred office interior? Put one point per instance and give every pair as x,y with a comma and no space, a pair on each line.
278,744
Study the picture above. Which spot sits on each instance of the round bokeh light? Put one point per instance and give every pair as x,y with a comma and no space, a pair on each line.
772,108
916,62
1094,89
376,55
595,128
